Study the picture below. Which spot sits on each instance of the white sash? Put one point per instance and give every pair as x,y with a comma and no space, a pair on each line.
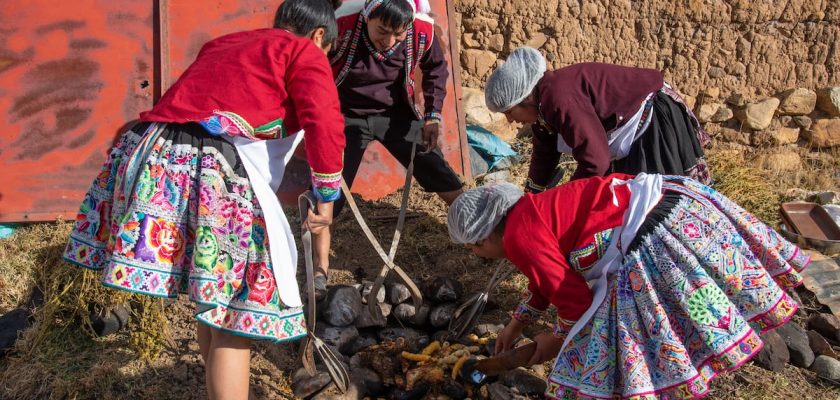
645,193
621,138
265,161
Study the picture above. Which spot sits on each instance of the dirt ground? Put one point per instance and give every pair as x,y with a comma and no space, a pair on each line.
69,364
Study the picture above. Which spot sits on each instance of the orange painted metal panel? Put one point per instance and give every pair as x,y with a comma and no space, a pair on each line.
71,75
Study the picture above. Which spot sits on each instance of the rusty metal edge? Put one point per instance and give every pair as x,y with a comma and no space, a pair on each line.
454,56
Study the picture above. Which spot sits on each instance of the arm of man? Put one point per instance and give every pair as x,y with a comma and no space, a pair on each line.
435,73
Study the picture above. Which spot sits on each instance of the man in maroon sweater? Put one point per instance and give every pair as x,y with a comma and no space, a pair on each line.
611,118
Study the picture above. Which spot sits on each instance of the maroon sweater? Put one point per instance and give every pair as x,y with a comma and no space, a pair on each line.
583,102
377,87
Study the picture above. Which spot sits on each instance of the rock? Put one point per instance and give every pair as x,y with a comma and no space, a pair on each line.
723,114
825,133
827,368
485,329
827,325
479,24
828,101
733,136
397,292
441,315
469,41
537,40
110,321
406,312
496,42
342,305
340,337
443,290
780,161
371,380
707,110
475,108
758,116
523,381
803,121
367,320
367,286
538,370
716,72
775,353
496,177
796,340
478,62
453,389
784,136
355,390
736,69
359,344
304,385
11,324
825,197
498,391
414,394
819,345
797,102
711,92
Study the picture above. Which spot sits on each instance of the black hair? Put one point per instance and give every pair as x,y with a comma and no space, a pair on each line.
303,16
394,14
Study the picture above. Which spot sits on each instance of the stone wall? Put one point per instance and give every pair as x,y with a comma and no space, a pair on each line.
752,70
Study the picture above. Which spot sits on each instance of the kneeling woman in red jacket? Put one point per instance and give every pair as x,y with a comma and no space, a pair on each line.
660,282
185,201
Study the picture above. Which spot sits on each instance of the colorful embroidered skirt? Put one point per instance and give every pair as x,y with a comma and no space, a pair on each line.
186,221
699,283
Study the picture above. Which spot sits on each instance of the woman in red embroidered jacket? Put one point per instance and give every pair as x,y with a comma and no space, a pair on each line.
186,200
610,118
659,282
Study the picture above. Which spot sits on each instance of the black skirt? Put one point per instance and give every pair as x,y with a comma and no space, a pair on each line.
668,146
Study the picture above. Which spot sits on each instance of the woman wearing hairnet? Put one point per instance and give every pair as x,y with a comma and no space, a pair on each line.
660,282
611,118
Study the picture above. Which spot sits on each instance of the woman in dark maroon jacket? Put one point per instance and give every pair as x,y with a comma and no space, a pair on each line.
611,118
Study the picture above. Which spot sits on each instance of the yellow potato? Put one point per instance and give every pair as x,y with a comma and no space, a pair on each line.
415,357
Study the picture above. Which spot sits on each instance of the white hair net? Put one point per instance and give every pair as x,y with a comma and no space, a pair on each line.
475,213
514,80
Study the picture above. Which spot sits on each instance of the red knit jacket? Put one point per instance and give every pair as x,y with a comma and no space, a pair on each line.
270,83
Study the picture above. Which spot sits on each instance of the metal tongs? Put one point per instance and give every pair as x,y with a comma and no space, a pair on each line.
312,343
467,314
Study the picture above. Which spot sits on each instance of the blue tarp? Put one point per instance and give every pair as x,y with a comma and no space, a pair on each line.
7,230
495,152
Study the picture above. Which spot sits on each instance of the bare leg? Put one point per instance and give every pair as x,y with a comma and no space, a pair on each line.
321,248
228,369
204,337
449,197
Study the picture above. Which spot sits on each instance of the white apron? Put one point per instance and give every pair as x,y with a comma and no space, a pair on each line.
645,193
265,162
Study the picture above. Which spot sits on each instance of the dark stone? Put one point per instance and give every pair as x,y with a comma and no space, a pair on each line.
414,394
441,315
340,337
775,353
819,345
827,368
366,320
110,321
397,293
304,385
453,389
406,312
827,325
355,391
359,344
342,305
803,121
10,324
523,381
796,340
488,329
498,391
444,290
490,347
391,334
366,288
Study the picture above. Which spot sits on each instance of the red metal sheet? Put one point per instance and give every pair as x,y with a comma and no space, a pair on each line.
71,75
